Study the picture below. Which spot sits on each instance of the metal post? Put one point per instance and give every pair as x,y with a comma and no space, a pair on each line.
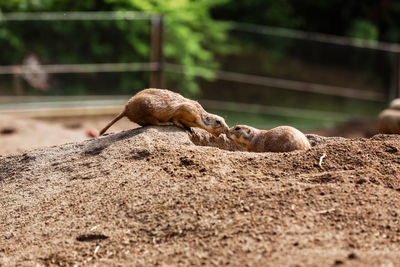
157,30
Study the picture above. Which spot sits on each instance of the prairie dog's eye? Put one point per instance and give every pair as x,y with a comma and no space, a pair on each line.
248,131
218,122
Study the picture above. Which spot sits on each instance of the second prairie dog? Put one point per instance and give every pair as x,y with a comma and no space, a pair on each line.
164,107
279,139
389,119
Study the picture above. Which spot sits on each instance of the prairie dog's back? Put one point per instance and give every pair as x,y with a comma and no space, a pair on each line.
281,139
150,103
153,100
159,98
389,121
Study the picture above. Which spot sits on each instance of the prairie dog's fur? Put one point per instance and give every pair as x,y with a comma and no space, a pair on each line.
164,107
389,119
395,104
279,139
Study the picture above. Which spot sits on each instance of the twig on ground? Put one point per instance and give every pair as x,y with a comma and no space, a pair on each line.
320,160
325,211
96,250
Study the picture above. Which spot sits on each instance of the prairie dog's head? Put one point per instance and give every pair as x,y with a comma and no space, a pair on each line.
388,121
395,104
214,124
241,134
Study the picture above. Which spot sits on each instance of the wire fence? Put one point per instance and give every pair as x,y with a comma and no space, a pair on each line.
284,83
317,37
175,68
158,68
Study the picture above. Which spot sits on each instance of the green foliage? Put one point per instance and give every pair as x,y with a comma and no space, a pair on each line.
363,29
191,36
268,12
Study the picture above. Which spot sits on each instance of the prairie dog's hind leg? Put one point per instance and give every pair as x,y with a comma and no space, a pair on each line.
185,117
168,123
179,123
188,116
188,129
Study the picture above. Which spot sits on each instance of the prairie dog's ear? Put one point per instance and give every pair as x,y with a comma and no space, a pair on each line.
206,120
248,131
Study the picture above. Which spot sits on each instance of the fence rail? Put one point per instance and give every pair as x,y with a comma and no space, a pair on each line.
80,68
317,37
99,15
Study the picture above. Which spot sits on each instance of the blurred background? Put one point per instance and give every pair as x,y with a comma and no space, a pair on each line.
327,67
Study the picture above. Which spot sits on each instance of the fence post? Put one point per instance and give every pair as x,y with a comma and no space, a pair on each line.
157,30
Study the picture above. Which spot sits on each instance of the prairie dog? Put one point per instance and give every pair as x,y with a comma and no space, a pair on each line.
395,104
279,139
164,107
389,121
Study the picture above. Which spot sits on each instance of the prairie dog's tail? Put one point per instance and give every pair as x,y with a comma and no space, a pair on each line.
120,116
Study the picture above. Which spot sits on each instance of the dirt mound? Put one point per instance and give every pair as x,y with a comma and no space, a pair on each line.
153,196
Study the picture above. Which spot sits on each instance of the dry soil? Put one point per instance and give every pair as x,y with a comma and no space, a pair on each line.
160,196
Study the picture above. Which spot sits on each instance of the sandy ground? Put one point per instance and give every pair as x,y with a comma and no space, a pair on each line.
21,134
158,196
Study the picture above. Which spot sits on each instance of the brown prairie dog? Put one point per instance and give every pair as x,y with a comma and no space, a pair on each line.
164,107
389,119
279,139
